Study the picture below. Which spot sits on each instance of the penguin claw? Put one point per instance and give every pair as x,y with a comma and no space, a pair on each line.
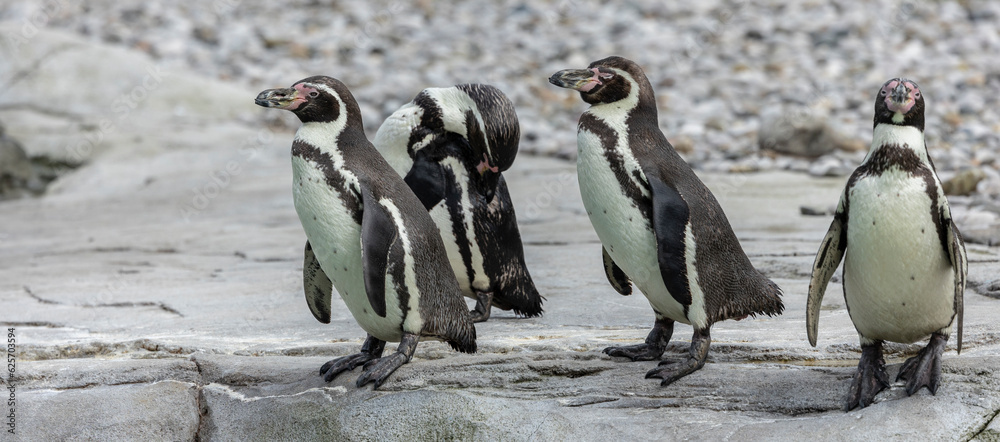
638,352
869,380
924,369
346,363
670,371
378,370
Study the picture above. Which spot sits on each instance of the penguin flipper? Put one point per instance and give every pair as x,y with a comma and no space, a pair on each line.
671,218
618,279
831,252
318,287
378,232
427,180
960,264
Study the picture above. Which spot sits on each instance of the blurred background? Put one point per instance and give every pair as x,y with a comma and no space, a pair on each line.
742,86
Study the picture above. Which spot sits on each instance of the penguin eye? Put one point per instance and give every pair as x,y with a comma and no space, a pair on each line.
916,94
882,92
313,94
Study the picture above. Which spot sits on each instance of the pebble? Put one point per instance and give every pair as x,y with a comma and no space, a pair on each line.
719,67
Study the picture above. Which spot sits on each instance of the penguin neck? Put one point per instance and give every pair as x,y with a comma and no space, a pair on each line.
323,135
617,113
892,136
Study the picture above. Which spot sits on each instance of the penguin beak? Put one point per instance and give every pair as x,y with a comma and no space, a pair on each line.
284,98
582,80
899,94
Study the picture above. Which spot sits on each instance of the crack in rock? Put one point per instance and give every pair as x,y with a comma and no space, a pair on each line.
22,74
158,305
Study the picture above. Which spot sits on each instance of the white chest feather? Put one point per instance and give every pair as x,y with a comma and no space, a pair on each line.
623,229
898,280
336,240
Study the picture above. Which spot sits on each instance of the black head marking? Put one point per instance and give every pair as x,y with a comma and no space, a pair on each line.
315,99
502,130
607,81
901,103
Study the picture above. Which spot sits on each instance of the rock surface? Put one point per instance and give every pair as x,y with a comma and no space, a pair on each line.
156,293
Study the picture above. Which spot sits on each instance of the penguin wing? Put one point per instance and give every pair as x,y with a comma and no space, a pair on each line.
317,286
831,252
618,279
427,180
378,232
671,216
960,264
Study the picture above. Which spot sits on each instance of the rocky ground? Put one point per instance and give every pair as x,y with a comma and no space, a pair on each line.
155,289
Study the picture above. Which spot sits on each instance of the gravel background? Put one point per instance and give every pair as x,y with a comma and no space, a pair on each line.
721,69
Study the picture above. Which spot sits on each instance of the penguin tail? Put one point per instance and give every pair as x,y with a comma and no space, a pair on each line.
520,295
770,303
760,296
465,342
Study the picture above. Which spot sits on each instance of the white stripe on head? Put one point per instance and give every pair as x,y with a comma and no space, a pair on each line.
454,103
325,135
615,115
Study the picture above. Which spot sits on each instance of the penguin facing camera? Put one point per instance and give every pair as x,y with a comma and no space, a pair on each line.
904,258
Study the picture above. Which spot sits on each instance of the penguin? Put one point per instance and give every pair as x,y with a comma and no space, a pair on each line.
369,236
451,145
904,258
660,227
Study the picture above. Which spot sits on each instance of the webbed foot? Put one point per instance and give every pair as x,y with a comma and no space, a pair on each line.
870,379
924,369
481,312
656,343
370,350
670,371
378,370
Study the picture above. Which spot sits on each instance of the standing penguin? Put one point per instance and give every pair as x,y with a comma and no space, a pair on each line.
660,227
451,145
904,259
368,234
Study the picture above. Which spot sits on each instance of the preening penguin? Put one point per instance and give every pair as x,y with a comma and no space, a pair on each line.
660,227
451,145
369,235
904,258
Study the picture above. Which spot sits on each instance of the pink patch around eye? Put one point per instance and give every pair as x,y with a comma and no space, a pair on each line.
301,96
595,80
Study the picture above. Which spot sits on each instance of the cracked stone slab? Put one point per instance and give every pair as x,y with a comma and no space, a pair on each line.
165,410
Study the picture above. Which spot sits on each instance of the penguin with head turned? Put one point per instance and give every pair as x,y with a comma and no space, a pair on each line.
451,145
660,226
368,235
904,258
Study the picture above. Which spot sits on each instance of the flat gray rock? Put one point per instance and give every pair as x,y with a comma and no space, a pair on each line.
156,294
